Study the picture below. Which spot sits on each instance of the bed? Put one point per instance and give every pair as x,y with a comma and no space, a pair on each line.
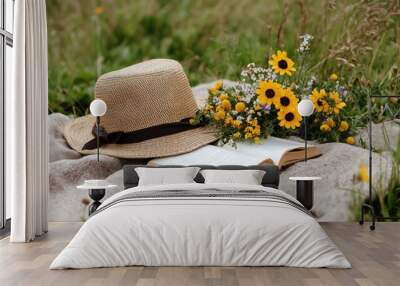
198,224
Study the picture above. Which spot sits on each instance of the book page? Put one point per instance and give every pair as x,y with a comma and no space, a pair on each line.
210,155
272,147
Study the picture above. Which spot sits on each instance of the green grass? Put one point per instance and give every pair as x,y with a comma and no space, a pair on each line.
386,196
213,39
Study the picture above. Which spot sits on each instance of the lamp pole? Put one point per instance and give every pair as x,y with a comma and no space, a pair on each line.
305,138
305,108
98,137
98,108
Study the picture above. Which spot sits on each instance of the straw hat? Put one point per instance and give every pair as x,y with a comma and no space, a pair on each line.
148,108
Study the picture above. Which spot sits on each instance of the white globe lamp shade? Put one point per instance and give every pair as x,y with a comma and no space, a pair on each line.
98,107
305,107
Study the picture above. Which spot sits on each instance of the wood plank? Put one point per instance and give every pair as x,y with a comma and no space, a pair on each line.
375,257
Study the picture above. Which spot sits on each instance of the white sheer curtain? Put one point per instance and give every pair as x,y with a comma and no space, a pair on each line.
26,124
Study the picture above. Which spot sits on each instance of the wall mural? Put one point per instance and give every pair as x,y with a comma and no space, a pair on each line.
242,75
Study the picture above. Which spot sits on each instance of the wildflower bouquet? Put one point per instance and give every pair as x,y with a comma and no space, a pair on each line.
265,101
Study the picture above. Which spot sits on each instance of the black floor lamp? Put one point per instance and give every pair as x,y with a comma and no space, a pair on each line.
98,108
369,206
306,109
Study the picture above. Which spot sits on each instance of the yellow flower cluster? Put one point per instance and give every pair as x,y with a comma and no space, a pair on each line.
217,87
226,109
242,119
329,124
273,94
329,103
253,130
270,93
243,116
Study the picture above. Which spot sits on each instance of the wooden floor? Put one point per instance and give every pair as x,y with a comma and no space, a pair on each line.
375,257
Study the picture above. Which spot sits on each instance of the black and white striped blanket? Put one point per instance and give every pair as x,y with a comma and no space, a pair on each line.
205,194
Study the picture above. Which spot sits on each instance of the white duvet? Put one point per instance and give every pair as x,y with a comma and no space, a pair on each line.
200,231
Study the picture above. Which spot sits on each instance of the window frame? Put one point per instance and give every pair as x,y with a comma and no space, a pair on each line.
6,39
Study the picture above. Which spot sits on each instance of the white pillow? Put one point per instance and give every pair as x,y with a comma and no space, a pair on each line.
248,177
165,176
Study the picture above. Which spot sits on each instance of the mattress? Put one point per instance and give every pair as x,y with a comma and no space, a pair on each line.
201,225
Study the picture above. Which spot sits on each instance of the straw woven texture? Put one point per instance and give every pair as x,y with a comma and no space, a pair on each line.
140,96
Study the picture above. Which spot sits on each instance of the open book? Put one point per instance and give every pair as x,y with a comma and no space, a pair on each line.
281,152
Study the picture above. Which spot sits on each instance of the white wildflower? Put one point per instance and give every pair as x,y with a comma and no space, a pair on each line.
253,73
305,43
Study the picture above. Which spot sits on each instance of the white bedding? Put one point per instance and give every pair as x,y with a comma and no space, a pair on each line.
200,231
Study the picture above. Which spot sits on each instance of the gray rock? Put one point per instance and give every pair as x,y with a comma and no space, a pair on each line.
200,92
58,147
384,135
337,167
65,200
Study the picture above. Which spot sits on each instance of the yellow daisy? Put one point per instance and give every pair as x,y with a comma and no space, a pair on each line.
333,77
99,10
363,175
325,128
225,104
289,118
236,123
282,64
286,100
248,129
240,106
337,103
343,126
223,97
268,92
237,135
350,140
330,122
319,100
208,108
219,115
253,122
217,86
248,135
228,121
257,130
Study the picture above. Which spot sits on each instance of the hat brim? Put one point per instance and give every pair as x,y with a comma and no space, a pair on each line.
79,132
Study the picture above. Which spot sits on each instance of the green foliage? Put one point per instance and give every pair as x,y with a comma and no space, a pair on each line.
386,199
216,39
390,202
